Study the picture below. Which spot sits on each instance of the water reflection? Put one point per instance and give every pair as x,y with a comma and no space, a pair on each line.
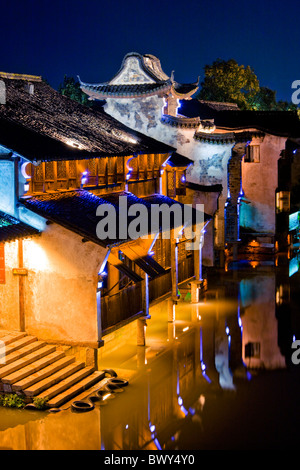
198,383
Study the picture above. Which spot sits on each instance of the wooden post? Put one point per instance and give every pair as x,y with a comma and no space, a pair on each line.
171,310
145,295
141,331
174,266
142,321
99,317
21,287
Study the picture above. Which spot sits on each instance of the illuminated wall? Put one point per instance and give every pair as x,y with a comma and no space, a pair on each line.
210,159
9,292
7,187
60,288
260,180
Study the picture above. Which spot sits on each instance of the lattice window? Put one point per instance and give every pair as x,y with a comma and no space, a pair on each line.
133,164
156,162
92,167
102,166
72,169
171,192
38,173
149,162
49,171
120,165
141,162
61,170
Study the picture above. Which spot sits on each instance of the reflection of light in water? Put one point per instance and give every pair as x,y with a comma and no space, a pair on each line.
203,366
222,361
293,266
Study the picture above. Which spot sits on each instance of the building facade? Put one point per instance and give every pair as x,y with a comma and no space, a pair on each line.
63,168
235,153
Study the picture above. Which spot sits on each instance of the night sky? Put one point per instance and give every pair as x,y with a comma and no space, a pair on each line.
90,38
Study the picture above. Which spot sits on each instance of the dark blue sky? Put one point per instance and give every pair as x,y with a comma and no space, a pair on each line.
90,38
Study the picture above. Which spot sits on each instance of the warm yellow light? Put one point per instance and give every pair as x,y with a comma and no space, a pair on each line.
186,328
73,143
35,258
106,396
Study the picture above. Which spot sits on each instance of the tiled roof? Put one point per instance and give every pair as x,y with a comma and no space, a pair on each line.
281,123
177,160
156,81
12,229
76,210
125,91
48,126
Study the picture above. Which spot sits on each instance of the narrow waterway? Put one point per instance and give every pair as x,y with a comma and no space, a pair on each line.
220,377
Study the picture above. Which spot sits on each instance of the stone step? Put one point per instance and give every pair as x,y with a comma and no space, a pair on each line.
76,389
33,367
50,381
6,351
28,359
15,345
42,374
19,353
11,337
66,383
89,391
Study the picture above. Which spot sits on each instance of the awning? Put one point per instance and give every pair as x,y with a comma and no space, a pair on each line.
137,252
12,228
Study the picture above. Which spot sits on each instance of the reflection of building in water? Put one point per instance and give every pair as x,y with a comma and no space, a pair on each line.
287,309
260,325
173,388
178,376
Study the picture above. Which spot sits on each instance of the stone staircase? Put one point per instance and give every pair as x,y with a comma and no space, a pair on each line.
35,369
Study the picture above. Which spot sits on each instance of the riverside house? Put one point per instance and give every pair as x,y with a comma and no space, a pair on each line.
59,162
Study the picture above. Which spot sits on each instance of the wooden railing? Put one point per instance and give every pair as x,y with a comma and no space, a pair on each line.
127,302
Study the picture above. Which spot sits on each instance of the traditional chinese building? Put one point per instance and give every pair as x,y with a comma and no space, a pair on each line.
235,153
59,162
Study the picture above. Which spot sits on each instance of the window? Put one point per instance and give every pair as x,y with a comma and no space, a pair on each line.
283,201
252,154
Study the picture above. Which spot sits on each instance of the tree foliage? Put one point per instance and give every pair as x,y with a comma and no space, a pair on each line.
265,100
71,88
227,81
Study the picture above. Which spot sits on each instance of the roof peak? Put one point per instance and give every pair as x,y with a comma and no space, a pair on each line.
21,76
139,76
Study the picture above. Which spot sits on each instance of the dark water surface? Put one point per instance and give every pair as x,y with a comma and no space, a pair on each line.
221,377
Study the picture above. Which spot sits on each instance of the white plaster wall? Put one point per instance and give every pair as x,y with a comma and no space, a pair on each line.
7,187
259,181
211,160
60,288
9,292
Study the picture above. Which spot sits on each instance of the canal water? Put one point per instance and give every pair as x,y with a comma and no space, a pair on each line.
220,377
